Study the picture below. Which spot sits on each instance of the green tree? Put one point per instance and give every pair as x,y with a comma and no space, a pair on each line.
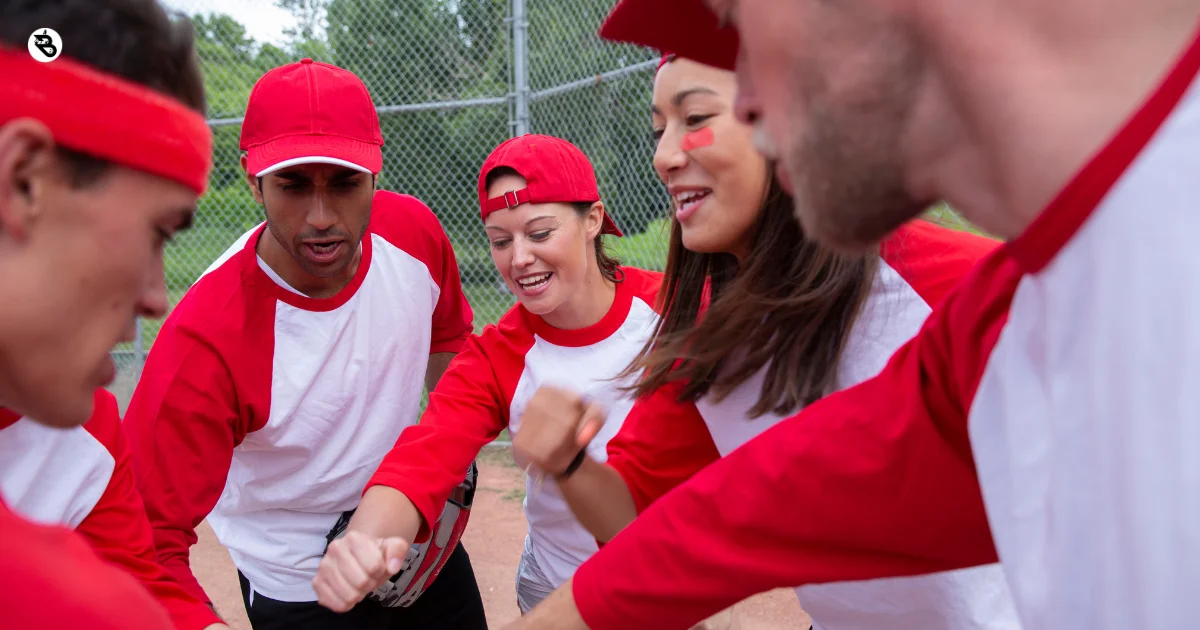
412,55
609,121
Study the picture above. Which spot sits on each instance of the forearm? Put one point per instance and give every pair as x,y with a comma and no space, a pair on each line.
438,362
384,513
599,498
900,501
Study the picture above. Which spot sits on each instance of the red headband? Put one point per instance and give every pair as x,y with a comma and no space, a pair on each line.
107,117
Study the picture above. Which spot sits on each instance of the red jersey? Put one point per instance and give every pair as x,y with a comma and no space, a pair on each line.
664,441
52,580
264,410
485,390
81,478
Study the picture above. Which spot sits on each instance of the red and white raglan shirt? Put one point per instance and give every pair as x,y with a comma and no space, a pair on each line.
664,442
266,411
1057,385
53,580
81,478
485,390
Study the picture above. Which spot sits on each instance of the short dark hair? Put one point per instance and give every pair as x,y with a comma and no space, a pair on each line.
610,266
133,39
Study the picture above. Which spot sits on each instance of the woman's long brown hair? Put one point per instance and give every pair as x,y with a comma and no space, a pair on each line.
790,304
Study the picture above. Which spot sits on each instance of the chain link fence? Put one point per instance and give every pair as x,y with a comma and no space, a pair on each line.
451,79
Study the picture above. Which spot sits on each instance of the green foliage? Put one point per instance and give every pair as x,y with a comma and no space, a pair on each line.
422,52
945,216
647,250
414,54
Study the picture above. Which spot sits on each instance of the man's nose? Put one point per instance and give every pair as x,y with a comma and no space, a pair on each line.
320,213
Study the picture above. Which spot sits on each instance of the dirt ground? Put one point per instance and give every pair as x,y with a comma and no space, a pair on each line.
494,538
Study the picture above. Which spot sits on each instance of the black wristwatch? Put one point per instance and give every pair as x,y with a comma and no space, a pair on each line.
573,466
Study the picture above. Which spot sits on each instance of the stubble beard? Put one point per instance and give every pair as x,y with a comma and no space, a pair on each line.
847,166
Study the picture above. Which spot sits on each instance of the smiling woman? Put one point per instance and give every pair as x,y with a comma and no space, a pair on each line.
581,318
537,246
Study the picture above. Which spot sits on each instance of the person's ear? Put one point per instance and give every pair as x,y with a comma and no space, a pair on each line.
253,182
28,162
594,220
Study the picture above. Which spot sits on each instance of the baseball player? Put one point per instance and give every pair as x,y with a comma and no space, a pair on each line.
88,198
282,377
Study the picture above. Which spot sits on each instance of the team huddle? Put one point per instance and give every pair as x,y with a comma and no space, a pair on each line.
913,427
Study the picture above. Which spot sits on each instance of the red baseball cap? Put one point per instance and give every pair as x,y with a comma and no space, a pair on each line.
683,27
311,112
554,171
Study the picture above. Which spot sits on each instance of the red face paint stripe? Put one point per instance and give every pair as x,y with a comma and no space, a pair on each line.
697,139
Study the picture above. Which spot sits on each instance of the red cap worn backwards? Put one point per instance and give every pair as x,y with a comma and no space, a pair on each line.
311,112
684,27
554,171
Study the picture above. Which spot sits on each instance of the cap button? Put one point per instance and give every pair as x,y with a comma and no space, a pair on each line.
306,60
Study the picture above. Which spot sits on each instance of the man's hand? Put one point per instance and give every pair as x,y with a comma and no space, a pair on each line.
556,425
353,566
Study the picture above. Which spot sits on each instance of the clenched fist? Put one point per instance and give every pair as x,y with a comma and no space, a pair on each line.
353,566
556,426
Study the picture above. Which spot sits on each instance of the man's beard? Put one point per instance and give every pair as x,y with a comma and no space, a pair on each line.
847,167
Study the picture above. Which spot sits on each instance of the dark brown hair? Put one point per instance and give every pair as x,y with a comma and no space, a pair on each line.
132,39
610,266
790,304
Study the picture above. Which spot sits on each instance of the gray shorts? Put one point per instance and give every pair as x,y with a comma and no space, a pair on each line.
532,584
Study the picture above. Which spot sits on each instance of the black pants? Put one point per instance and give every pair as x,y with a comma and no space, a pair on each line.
452,602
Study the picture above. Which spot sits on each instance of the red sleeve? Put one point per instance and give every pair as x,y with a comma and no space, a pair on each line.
118,530
933,259
407,223
874,481
466,411
182,425
52,580
661,444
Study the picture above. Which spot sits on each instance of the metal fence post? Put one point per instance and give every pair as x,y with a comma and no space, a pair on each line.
520,52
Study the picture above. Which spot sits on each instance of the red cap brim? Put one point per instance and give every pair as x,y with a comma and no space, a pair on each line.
307,149
684,27
609,227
